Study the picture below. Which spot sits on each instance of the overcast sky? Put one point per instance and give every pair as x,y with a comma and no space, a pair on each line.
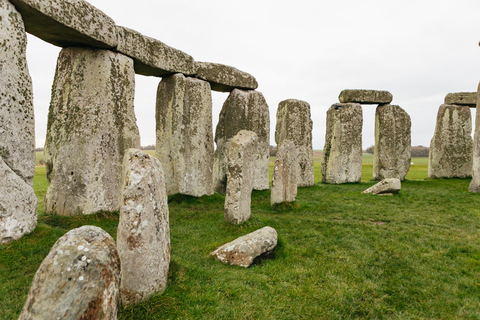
419,50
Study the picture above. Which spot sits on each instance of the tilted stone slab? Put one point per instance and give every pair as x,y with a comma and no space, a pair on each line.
225,78
365,96
240,176
451,147
68,23
386,186
342,154
294,123
243,251
91,123
462,98
185,135
18,205
17,123
243,110
79,278
392,153
143,236
153,57
475,183
284,179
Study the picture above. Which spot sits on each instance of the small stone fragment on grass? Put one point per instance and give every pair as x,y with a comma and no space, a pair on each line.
387,186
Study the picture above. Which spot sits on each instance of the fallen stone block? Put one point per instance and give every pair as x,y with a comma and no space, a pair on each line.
389,185
365,96
225,78
462,99
284,179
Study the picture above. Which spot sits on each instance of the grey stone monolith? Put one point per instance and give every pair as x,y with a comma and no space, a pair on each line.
365,96
475,183
392,153
294,123
79,279
342,154
225,78
184,135
284,179
386,186
91,123
462,99
243,110
17,124
240,176
143,236
451,147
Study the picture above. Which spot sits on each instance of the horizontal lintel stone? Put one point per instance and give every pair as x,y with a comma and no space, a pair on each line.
462,99
224,78
365,96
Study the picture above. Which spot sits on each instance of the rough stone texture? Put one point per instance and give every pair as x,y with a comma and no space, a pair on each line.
243,251
18,205
294,123
185,135
389,185
17,124
392,153
462,98
240,176
153,57
91,123
79,278
243,110
342,154
451,147
475,183
68,23
365,96
225,78
284,179
143,236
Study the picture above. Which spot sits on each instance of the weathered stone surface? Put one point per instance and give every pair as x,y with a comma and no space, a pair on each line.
17,124
68,23
451,147
243,251
294,123
243,110
153,57
389,185
240,176
225,78
475,183
79,278
365,96
143,236
18,205
284,179
185,135
392,153
462,98
342,154
91,123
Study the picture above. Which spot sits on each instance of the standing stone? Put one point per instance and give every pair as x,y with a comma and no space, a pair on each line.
475,183
392,153
451,147
365,96
17,124
240,176
294,123
243,110
18,205
79,278
184,135
284,180
342,154
143,236
91,123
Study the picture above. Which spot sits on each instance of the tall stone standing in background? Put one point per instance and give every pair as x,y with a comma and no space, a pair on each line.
392,154
91,123
294,123
184,135
243,110
475,183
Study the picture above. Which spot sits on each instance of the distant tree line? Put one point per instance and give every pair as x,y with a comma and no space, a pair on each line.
273,151
149,147
417,151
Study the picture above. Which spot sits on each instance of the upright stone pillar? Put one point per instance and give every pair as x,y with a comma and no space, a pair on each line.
451,147
184,135
342,154
91,123
475,183
294,123
392,153
243,110
284,178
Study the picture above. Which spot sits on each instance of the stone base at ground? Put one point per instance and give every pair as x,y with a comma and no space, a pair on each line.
390,185
284,179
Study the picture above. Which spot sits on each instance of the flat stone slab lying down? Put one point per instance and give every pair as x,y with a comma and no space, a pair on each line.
225,78
243,251
462,99
386,186
365,96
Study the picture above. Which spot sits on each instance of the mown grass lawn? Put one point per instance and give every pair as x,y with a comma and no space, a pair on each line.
341,255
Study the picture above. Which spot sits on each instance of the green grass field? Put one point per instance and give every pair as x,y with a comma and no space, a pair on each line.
341,255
